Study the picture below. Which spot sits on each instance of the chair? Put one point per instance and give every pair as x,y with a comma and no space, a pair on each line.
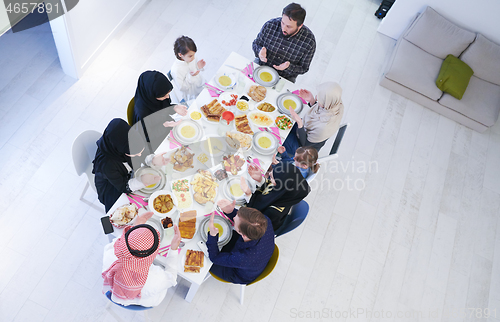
267,270
338,138
176,95
132,307
130,111
84,149
297,215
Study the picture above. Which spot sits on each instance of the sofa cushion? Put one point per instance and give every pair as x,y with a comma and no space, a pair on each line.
481,101
416,69
454,77
437,35
483,56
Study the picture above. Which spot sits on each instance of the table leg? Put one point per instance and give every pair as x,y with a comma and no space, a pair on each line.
191,292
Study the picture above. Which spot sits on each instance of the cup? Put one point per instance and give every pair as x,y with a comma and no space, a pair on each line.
280,84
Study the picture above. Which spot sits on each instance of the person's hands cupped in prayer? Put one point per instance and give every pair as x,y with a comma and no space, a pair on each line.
181,109
296,118
263,54
283,66
226,205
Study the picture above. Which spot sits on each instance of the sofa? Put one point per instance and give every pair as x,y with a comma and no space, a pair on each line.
416,61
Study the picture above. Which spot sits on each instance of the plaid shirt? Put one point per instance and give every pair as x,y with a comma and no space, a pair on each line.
297,49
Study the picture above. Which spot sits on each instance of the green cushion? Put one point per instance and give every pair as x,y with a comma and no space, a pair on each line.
454,76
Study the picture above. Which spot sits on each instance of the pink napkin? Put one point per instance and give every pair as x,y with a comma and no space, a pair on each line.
138,201
275,131
173,144
211,89
297,93
248,70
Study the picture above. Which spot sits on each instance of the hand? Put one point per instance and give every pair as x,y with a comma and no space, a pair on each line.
200,64
274,161
181,109
296,118
149,179
174,244
307,95
160,160
171,123
255,172
282,66
141,219
194,73
213,230
244,186
281,149
226,205
263,54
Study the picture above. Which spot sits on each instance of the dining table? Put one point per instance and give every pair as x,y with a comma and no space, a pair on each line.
238,68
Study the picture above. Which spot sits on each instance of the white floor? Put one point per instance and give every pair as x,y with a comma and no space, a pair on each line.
421,233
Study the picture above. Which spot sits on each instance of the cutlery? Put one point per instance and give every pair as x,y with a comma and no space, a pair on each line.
279,136
250,160
213,88
250,73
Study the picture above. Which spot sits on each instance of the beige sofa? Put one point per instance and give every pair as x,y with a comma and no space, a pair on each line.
415,63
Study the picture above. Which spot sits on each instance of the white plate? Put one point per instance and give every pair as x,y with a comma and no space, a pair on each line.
258,73
289,96
147,170
270,123
259,110
232,146
227,189
198,132
265,151
156,194
226,96
232,76
226,227
185,192
243,167
184,261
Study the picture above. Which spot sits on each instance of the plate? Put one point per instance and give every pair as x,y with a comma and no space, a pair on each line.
206,190
157,186
260,119
187,194
234,143
242,105
242,167
228,100
213,145
131,222
229,189
227,232
266,76
261,136
225,80
187,132
156,194
283,117
289,98
269,106
183,261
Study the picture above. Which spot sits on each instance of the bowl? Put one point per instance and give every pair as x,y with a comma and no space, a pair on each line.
232,189
158,213
269,108
188,131
227,228
285,100
242,105
265,143
155,187
266,76
225,80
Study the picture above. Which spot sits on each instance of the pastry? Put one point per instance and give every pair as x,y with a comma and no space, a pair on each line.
257,93
242,125
212,110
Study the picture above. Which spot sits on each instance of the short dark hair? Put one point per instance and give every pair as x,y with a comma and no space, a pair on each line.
295,12
183,45
253,223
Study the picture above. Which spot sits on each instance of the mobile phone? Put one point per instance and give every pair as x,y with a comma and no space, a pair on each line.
203,247
106,225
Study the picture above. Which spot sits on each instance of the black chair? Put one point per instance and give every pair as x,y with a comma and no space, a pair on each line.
338,138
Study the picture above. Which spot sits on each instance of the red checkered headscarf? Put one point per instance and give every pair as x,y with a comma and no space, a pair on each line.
128,274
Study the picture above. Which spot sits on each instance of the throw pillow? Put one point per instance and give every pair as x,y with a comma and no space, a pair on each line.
454,77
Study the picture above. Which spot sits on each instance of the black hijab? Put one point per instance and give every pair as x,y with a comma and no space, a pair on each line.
151,85
118,139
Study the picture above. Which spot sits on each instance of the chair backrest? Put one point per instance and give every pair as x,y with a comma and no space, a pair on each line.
270,265
83,150
297,215
130,111
132,307
338,138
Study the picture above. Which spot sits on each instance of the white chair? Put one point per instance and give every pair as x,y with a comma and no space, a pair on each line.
333,152
84,149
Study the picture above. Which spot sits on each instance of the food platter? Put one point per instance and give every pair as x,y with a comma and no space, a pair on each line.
188,131
260,119
232,190
228,99
227,229
266,107
152,188
265,143
238,140
158,194
287,99
266,76
234,163
124,215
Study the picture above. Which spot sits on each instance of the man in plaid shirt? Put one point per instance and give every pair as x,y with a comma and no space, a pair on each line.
285,43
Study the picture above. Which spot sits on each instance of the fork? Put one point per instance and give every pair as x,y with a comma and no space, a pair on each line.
213,88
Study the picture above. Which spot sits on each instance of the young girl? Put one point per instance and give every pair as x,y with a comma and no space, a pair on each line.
305,159
185,70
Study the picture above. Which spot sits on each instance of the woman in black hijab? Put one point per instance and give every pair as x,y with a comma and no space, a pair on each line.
113,165
152,95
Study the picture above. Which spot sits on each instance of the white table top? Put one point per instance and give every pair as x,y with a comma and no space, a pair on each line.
210,129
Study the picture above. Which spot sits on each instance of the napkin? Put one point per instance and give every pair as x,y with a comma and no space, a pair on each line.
275,131
211,89
173,144
297,93
137,200
248,70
